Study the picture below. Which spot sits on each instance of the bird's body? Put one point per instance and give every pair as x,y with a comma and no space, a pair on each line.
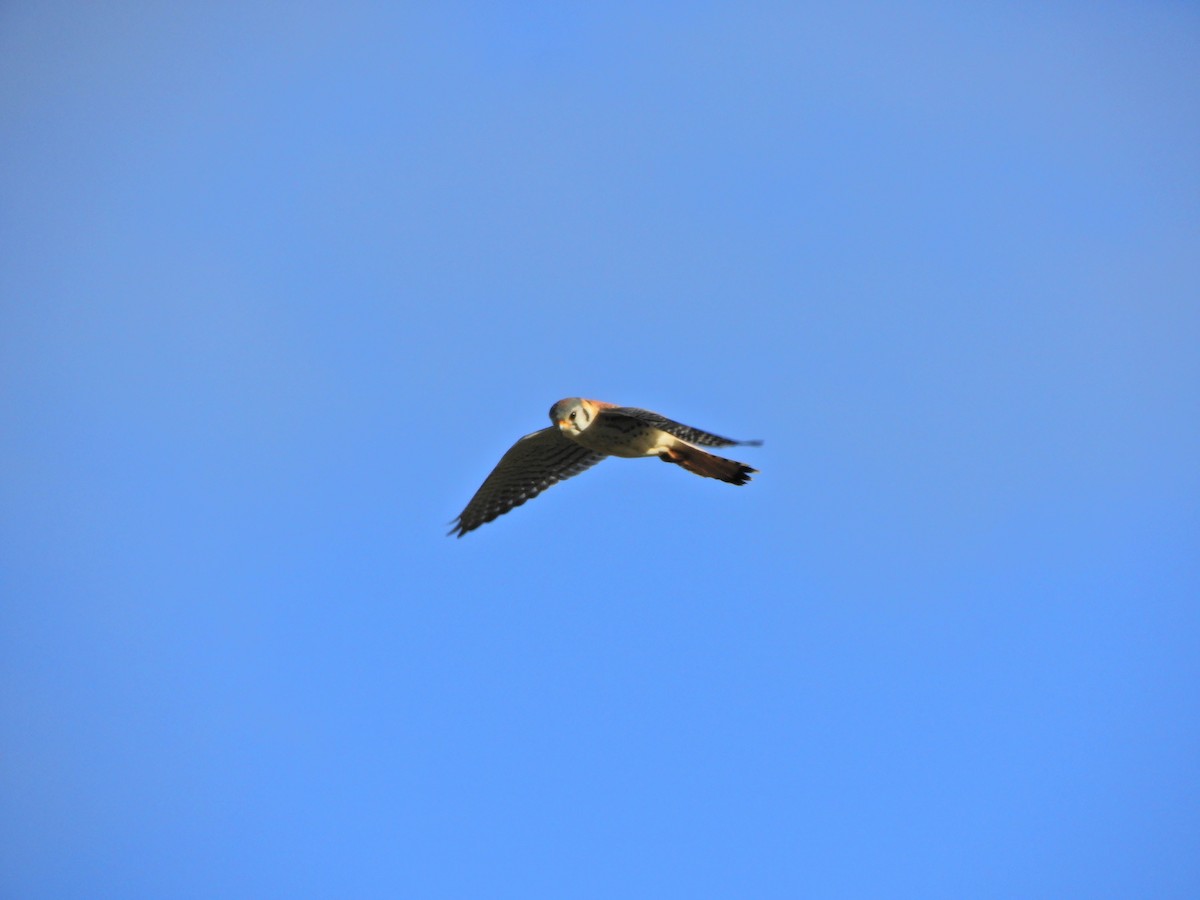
585,432
612,432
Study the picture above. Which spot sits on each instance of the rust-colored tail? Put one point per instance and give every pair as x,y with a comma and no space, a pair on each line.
706,464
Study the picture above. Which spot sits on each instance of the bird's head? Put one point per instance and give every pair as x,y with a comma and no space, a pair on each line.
572,415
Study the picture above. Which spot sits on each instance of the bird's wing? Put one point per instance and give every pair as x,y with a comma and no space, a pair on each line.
530,466
684,432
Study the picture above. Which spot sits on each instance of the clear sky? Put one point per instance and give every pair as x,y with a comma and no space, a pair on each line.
281,282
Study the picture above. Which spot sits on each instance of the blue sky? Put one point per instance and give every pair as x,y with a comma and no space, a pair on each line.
282,282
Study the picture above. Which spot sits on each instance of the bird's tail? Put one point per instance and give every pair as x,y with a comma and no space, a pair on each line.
707,465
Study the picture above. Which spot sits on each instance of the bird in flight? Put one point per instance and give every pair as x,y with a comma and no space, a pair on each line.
583,433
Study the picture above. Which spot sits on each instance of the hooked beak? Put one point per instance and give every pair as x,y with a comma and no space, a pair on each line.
563,423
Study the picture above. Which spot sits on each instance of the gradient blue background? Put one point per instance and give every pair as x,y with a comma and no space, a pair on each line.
280,284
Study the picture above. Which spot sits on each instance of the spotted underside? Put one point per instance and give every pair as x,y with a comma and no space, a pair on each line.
681,431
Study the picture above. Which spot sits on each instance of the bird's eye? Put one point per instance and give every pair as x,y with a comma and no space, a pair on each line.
572,417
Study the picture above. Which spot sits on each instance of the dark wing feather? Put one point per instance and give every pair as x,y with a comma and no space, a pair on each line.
684,432
530,466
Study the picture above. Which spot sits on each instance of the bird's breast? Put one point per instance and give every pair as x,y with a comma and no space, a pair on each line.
622,436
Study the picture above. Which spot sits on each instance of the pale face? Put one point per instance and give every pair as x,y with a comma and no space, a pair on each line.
572,415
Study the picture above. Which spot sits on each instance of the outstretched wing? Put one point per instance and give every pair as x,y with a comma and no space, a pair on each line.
530,466
683,432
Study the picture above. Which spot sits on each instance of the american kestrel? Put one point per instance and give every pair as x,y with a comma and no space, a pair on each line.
585,432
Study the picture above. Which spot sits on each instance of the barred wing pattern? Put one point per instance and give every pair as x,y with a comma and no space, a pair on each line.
530,466
683,432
